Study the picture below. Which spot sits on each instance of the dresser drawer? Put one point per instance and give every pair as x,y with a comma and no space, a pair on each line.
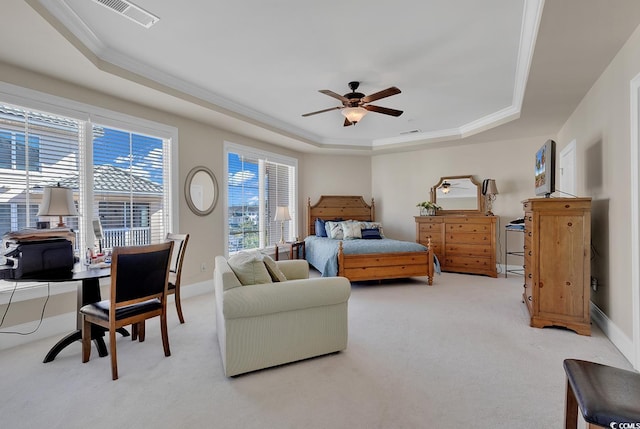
431,227
452,262
467,227
471,250
436,238
469,238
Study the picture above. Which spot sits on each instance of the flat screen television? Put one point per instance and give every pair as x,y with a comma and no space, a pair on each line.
546,169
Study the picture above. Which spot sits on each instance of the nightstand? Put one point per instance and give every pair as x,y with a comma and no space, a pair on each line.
296,249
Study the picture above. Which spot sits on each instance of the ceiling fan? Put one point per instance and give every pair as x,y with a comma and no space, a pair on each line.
355,104
447,186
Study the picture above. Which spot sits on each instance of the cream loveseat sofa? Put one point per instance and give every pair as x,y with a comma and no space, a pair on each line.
263,325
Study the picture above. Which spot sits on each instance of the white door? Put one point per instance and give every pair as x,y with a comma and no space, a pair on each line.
567,163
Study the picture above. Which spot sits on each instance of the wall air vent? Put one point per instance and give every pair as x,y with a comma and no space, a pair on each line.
410,132
130,11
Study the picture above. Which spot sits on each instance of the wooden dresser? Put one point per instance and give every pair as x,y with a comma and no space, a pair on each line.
462,243
557,262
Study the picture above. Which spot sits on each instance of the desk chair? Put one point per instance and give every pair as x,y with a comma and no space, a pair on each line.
603,394
139,283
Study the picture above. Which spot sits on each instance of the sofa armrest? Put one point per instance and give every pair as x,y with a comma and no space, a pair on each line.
270,298
294,269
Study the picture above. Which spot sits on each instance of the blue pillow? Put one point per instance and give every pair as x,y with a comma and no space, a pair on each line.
371,234
320,229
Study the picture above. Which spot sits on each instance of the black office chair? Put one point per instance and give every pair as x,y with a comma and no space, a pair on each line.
139,283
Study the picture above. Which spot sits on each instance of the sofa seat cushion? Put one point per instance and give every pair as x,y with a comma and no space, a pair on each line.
249,267
258,300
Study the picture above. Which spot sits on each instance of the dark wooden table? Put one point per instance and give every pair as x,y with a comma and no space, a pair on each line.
88,292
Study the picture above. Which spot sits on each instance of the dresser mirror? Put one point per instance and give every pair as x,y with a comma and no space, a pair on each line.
201,190
457,195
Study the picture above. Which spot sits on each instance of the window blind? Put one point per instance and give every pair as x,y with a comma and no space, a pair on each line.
130,179
37,149
257,183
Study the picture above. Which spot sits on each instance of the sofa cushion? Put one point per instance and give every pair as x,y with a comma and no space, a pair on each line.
249,267
274,271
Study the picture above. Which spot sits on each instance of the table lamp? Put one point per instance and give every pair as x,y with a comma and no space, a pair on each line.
58,201
282,215
490,195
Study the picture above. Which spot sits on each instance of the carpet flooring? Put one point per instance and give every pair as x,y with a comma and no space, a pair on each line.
456,354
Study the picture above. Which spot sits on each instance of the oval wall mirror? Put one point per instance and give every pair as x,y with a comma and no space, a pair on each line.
201,190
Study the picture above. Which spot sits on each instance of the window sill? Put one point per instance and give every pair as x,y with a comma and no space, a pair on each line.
25,291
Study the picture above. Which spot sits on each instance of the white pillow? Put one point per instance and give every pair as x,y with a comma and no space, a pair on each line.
334,230
351,229
249,267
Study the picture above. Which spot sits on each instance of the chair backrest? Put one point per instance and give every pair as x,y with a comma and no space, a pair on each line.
179,248
139,273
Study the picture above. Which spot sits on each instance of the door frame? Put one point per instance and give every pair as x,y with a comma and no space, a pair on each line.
635,216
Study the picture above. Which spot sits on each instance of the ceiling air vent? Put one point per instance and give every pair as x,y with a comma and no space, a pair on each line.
130,11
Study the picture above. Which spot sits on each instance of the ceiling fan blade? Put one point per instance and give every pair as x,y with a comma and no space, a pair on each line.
381,94
334,95
347,122
322,111
385,110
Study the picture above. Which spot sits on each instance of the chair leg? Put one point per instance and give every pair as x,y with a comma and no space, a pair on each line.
165,336
86,340
134,332
112,350
141,331
179,305
571,409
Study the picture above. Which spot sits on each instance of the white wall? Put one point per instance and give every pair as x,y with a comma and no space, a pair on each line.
601,127
402,180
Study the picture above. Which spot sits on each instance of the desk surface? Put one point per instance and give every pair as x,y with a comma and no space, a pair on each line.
80,272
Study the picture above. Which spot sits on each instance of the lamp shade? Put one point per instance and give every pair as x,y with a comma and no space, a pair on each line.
354,114
492,189
58,201
282,214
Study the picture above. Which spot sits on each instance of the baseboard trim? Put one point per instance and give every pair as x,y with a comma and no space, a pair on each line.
57,326
615,335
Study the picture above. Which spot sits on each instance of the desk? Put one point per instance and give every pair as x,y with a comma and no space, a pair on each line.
88,292
296,249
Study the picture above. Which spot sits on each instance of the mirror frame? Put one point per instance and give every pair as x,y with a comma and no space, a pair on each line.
480,200
187,190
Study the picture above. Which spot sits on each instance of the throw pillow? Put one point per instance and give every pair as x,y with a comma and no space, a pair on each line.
274,271
371,225
334,230
351,229
320,229
371,233
249,267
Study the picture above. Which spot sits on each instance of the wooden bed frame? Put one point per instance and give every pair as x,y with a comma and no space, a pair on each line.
371,266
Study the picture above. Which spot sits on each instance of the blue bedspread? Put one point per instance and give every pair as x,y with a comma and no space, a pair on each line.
322,252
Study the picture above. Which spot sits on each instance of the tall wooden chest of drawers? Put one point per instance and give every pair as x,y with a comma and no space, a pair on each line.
462,243
557,262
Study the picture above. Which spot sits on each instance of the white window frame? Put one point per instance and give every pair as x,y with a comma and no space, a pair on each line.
230,147
36,100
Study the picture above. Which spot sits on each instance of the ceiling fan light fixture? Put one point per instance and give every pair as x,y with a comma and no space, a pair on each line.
354,114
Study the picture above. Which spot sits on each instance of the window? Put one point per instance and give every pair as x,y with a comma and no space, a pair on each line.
257,183
118,167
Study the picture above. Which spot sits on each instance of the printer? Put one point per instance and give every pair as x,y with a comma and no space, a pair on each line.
32,257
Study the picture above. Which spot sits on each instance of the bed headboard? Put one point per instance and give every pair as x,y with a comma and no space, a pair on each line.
344,207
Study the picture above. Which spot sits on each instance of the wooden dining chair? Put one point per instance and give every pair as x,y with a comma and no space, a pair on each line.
139,284
175,271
